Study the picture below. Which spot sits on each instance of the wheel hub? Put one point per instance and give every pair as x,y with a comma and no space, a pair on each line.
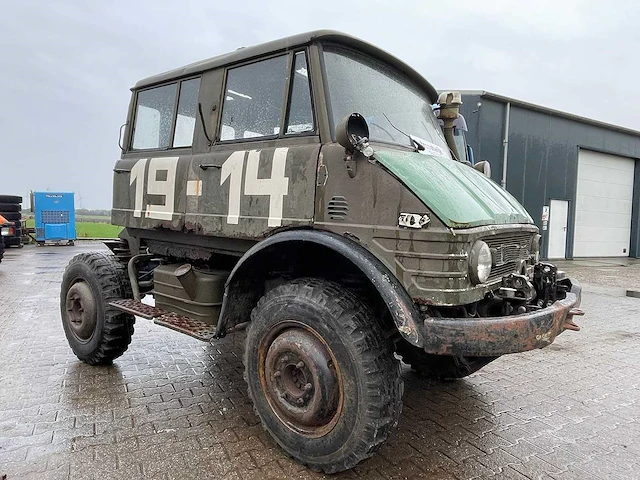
81,311
302,384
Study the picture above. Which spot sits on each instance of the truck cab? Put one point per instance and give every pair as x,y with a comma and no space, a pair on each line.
304,191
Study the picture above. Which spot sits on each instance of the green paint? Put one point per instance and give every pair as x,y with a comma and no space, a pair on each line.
459,195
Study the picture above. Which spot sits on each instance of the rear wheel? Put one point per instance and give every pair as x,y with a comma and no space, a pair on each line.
440,367
97,332
321,374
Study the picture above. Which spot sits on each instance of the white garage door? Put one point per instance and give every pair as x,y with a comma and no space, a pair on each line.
603,205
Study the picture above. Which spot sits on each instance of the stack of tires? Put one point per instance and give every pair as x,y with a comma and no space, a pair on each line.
11,209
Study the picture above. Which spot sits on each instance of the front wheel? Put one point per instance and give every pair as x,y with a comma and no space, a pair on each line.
321,374
97,332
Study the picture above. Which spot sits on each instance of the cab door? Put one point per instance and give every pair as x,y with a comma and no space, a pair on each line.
150,178
260,173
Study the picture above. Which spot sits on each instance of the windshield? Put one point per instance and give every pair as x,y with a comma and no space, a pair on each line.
360,84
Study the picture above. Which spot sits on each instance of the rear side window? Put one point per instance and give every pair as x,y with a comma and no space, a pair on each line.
158,123
254,99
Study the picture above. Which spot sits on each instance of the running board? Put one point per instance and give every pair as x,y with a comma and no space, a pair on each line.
194,328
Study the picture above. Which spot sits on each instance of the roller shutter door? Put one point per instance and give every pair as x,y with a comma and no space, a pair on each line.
603,205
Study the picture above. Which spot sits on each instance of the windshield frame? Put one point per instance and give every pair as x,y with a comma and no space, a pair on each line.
414,84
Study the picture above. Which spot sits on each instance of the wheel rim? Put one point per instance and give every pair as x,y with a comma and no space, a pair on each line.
81,311
301,379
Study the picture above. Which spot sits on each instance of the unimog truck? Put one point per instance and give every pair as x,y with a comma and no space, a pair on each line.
304,191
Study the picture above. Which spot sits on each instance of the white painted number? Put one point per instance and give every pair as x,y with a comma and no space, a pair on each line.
275,187
165,187
137,175
232,167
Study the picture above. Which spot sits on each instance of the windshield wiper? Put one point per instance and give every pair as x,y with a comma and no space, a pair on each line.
418,146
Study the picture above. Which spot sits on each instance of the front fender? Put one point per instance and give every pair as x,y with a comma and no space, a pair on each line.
235,306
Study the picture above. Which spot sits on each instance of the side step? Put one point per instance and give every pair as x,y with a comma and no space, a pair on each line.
194,328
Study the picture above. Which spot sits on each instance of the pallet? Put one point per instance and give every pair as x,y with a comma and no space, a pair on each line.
194,328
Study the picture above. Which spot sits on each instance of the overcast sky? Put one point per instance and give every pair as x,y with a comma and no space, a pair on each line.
67,66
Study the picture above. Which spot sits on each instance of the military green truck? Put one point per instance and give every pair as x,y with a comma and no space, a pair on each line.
303,190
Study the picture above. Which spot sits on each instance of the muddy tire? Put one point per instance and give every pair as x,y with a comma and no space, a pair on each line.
440,367
321,374
97,333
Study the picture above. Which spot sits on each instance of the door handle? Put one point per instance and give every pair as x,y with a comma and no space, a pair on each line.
122,170
204,166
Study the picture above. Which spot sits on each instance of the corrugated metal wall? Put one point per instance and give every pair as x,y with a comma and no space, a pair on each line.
543,155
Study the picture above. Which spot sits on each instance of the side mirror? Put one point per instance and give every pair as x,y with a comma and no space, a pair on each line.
352,132
483,167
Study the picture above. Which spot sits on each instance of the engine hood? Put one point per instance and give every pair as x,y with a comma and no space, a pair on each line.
459,195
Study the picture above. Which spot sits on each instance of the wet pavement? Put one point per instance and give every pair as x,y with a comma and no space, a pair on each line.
173,407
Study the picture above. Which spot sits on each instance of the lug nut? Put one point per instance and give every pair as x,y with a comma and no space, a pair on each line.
299,364
276,373
285,358
300,402
307,387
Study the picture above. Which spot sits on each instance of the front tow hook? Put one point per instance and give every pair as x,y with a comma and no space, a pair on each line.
568,323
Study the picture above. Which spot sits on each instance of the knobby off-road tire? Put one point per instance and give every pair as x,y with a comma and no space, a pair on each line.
440,367
97,333
321,374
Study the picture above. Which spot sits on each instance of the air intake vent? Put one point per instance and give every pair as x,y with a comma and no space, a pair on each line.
337,208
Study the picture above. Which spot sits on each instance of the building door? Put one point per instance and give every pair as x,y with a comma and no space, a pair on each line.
558,215
604,199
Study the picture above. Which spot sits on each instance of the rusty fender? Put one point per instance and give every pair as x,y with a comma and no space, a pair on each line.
492,336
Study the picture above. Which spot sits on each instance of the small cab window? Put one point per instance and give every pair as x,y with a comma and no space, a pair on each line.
154,117
254,99
300,111
156,113
186,119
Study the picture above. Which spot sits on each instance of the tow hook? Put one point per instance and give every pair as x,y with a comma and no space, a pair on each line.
568,323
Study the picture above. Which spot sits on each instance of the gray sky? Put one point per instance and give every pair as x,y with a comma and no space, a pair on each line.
67,66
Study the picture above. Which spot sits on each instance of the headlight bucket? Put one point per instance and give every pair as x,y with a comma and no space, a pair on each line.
534,248
479,262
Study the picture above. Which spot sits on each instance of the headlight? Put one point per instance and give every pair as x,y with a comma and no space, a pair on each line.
6,231
535,248
479,262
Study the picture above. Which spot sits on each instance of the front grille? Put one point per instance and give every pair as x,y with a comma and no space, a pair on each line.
506,250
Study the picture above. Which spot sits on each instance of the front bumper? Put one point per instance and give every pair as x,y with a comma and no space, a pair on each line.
494,336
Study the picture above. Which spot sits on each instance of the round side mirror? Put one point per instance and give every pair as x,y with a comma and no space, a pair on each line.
483,167
352,131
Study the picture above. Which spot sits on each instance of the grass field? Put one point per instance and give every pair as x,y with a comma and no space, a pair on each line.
90,229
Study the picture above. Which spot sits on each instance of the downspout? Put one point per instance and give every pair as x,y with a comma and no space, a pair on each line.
505,145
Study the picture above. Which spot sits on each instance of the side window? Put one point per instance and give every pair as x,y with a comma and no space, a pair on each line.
300,112
186,118
253,99
154,117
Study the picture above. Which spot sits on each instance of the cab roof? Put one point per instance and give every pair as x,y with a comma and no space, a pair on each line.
283,45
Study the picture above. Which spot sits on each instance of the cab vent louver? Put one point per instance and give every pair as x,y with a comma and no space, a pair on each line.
337,208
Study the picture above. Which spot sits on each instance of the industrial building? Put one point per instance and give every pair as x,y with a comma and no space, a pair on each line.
578,178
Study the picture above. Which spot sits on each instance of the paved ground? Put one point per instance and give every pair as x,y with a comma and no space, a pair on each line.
173,407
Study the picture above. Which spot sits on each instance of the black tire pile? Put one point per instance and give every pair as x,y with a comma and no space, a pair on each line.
11,209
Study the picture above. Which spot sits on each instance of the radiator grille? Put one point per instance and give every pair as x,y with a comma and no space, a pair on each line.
506,250
55,216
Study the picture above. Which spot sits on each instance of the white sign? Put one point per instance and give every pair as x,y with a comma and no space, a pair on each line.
545,213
